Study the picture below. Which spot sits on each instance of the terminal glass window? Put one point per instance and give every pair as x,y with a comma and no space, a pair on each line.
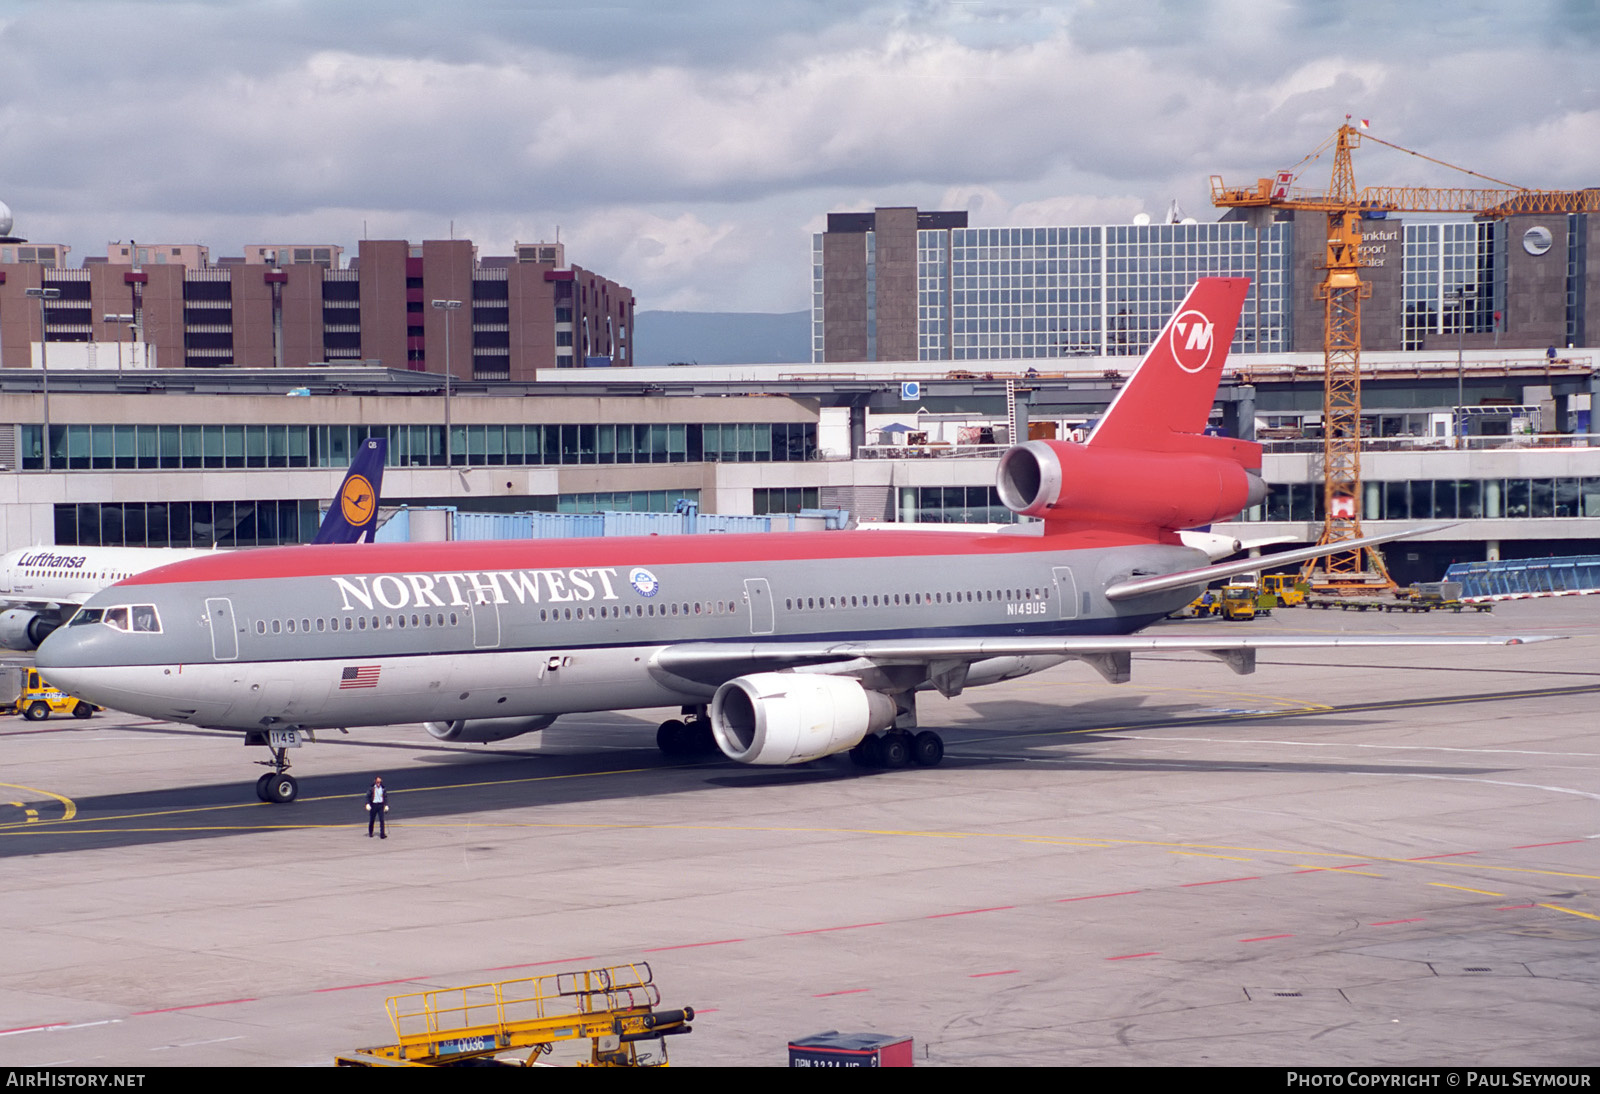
195,447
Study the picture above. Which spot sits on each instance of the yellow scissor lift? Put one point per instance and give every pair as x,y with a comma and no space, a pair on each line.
613,1008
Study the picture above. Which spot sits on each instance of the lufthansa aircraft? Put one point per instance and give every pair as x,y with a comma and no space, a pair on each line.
782,648
40,587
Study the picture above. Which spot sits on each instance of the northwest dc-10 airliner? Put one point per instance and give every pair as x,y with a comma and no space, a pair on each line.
780,648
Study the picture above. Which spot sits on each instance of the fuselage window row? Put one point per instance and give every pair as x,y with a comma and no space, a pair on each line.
977,596
361,623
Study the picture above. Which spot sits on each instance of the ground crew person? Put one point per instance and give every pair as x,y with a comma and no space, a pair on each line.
377,806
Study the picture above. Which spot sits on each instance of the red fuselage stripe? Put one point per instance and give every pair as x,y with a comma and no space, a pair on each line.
324,561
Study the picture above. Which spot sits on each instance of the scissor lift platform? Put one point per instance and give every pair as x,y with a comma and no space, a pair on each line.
614,1008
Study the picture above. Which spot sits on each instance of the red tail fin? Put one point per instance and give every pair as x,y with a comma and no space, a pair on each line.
1176,383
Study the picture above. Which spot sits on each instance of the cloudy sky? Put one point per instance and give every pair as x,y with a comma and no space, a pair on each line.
689,148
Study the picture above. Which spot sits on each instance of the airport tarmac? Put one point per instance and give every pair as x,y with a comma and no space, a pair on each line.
1348,858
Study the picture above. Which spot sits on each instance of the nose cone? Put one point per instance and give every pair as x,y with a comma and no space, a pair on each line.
66,648
62,657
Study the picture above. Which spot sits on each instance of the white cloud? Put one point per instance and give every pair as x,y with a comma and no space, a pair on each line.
685,145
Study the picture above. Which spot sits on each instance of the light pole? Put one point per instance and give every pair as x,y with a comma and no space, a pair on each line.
125,320
1461,295
42,295
447,306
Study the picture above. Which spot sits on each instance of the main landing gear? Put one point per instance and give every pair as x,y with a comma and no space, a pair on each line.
689,736
899,748
277,785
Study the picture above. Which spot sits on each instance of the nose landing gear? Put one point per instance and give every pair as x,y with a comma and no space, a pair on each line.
277,786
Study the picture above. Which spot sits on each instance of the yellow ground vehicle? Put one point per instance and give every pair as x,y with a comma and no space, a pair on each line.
1239,601
614,1010
1288,588
1230,602
39,699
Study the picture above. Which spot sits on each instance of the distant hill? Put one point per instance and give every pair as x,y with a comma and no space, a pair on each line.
721,338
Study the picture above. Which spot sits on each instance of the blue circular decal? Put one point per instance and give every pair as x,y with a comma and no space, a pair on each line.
644,582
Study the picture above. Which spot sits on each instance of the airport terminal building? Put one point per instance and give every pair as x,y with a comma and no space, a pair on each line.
189,458
900,284
264,373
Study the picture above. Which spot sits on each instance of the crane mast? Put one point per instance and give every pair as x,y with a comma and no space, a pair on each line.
1342,291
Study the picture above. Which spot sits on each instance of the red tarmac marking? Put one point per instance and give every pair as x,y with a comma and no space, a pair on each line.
694,945
825,930
827,994
1392,922
1130,956
192,1006
374,984
1002,972
971,911
1266,938
1557,843
1219,881
1515,907
536,964
1097,896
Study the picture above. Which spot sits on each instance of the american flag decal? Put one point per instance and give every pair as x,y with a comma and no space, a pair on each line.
359,676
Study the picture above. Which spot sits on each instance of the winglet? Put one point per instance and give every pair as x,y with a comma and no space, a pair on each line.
353,515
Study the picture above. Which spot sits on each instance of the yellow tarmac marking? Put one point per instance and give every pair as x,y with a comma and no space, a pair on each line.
1201,854
1569,911
1336,870
1106,843
72,810
1300,707
68,808
1465,889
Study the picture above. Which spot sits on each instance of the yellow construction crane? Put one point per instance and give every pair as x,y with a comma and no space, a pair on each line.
613,1008
1342,291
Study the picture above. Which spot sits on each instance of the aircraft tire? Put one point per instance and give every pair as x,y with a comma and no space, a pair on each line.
896,753
282,789
869,753
37,712
672,737
927,749
261,786
83,710
700,739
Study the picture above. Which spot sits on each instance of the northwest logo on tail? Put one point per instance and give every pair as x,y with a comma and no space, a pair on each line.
1192,341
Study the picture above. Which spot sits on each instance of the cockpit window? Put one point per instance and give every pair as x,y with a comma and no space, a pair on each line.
138,618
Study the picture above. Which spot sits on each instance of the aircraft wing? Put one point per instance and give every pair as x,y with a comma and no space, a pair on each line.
71,600
713,663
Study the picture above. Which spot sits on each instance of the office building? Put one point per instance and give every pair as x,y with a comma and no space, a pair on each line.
899,284
290,305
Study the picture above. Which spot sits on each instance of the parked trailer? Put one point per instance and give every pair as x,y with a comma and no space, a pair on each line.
614,1008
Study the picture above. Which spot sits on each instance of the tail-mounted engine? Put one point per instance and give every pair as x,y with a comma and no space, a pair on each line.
1082,486
789,718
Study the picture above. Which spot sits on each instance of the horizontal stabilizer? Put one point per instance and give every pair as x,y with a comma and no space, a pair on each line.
1144,586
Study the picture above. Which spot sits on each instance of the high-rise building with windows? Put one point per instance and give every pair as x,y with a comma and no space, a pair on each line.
288,305
899,284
